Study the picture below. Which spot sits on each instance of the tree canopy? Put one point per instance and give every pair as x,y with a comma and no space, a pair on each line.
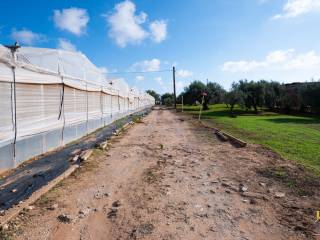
297,97
167,99
212,93
154,94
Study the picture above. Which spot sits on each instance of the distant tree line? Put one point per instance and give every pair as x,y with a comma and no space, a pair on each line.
157,97
165,99
295,97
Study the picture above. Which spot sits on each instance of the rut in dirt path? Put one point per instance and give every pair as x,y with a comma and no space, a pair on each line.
165,178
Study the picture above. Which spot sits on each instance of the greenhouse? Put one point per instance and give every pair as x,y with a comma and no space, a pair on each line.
51,97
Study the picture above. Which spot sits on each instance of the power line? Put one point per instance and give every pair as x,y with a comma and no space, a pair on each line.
141,72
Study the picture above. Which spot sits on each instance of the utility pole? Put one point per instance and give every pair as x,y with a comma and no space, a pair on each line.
174,87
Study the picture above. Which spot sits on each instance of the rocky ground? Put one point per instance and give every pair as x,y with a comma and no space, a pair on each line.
168,177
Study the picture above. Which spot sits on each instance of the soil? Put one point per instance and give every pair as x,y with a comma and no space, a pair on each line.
169,177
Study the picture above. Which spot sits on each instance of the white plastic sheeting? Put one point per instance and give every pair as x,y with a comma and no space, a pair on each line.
54,90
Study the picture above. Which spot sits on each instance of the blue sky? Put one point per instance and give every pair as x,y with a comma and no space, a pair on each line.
219,40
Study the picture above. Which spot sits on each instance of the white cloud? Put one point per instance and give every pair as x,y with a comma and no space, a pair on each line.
66,45
147,65
158,30
280,60
184,73
73,20
139,78
159,80
309,60
294,8
241,66
27,37
127,26
279,56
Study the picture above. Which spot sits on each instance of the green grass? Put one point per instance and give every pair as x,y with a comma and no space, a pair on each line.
294,137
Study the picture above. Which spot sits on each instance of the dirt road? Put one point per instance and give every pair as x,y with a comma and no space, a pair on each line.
169,178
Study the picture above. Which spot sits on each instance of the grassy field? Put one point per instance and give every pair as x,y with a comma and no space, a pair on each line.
294,137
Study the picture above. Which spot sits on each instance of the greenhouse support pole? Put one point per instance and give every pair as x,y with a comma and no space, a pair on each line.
111,105
87,106
62,106
15,110
61,112
12,106
101,106
118,102
13,50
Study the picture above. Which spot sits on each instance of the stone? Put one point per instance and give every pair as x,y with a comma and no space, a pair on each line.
5,227
85,155
30,207
116,204
2,213
225,185
270,190
14,190
84,212
103,146
112,213
64,218
254,195
279,195
243,188
53,207
262,184
75,158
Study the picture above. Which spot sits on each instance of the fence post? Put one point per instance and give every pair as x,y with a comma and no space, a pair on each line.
201,107
182,104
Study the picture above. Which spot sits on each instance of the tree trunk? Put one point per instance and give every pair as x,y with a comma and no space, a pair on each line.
231,110
205,106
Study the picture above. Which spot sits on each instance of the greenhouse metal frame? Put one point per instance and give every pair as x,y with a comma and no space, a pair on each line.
50,97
